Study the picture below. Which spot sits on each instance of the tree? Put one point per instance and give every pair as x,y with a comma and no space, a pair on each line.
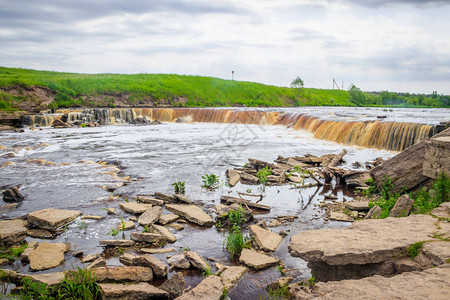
356,96
297,83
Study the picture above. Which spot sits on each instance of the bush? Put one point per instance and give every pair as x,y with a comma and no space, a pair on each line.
263,173
235,242
425,200
210,181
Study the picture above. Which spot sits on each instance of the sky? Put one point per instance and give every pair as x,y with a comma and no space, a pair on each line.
395,45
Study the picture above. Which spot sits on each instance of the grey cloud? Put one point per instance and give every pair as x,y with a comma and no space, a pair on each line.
380,3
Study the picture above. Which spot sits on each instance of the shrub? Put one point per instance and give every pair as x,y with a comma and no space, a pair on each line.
179,187
210,181
235,242
263,173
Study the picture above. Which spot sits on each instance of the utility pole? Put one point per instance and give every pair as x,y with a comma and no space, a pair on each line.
232,75
337,86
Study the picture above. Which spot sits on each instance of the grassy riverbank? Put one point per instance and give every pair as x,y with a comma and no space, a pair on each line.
25,89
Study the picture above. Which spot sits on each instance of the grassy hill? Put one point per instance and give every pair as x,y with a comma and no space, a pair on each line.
76,90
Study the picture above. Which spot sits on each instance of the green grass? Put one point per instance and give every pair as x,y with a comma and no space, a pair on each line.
235,241
414,249
263,173
13,252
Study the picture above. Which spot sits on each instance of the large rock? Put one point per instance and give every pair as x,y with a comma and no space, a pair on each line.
443,211
437,157
149,200
169,218
47,256
211,288
179,261
357,205
339,216
165,232
147,237
140,290
265,239
402,207
429,284
158,267
256,260
51,218
249,177
231,275
233,177
196,260
175,285
365,248
12,231
182,198
166,198
121,274
150,216
374,212
134,207
12,195
50,279
191,212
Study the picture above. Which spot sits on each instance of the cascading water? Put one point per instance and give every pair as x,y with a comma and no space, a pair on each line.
395,136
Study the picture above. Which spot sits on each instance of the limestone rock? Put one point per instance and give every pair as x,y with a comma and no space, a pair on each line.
111,211
275,223
429,284
165,232
157,250
50,279
117,243
25,256
126,225
402,207
175,285
176,226
90,258
279,283
39,233
166,198
374,212
265,239
51,219
182,198
147,237
179,261
47,256
443,211
256,260
437,252
140,290
12,195
92,217
134,207
338,216
12,231
196,260
357,205
248,177
98,263
126,273
209,289
158,267
150,216
149,200
191,212
231,275
436,158
366,242
169,218
233,177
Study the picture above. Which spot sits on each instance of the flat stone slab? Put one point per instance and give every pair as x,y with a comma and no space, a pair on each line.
191,212
169,218
127,273
196,260
159,268
357,205
117,243
165,232
433,283
39,233
150,200
157,250
92,217
150,216
47,256
443,211
51,219
265,239
12,231
50,279
210,288
256,260
140,290
147,237
231,200
134,207
364,242
231,275
338,216
233,177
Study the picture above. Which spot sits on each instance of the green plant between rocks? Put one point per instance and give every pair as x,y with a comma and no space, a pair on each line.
13,252
210,181
79,284
179,187
207,271
35,290
236,217
262,174
414,249
235,241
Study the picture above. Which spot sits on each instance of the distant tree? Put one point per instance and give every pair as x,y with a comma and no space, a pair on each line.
434,95
297,83
356,96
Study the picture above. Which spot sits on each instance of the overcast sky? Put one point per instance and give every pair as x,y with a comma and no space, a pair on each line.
398,45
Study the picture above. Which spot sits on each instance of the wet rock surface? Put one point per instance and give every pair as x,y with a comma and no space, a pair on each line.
209,289
140,290
265,239
12,231
51,219
191,212
256,260
175,285
47,256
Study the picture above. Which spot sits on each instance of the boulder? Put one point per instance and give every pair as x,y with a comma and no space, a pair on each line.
165,232
429,284
210,288
175,285
149,200
233,177
196,260
256,260
47,256
117,243
266,240
437,157
150,216
192,213
179,261
402,207
134,207
124,274
231,275
374,212
12,195
12,231
169,218
140,290
51,218
147,237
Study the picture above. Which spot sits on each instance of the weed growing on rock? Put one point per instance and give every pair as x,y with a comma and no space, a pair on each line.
235,241
426,200
224,294
281,292
206,271
388,198
79,284
210,181
13,252
179,187
263,173
34,290
414,249
236,217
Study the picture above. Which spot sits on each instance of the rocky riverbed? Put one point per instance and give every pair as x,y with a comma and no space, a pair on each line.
157,244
